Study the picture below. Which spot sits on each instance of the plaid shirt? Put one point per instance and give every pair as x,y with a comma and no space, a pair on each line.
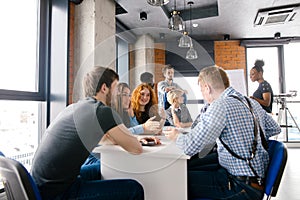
231,120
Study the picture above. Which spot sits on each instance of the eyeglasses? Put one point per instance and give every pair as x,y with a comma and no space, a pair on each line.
126,95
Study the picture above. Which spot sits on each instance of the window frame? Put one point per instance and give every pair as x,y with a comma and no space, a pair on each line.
41,59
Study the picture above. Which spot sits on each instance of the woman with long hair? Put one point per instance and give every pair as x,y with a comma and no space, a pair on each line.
264,93
122,104
144,104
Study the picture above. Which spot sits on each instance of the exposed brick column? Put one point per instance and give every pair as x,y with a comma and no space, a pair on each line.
230,55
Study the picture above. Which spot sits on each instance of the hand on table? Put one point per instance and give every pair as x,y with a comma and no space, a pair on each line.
171,132
150,125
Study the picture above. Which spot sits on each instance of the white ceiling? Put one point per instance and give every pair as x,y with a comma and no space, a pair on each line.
235,17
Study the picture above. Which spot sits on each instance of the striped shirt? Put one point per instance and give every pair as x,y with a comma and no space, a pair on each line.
231,120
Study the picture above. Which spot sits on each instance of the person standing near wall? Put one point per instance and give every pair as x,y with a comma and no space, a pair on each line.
167,85
264,93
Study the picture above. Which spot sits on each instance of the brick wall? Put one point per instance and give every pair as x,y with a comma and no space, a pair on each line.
230,55
160,61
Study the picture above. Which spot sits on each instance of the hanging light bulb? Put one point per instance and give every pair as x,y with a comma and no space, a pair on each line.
191,54
176,22
157,2
185,40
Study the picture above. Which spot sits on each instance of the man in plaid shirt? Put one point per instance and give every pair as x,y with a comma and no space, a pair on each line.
229,122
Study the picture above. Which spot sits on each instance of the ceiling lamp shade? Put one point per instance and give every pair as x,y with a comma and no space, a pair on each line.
191,54
157,2
176,22
185,40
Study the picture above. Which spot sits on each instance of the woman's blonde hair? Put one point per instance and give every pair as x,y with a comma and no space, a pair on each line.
174,94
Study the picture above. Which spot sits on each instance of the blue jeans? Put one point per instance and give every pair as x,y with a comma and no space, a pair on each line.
118,189
215,185
91,168
90,186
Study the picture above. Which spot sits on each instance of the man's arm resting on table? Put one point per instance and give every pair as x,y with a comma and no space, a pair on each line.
121,135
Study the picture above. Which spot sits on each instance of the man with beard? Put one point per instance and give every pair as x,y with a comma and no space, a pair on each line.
163,87
71,137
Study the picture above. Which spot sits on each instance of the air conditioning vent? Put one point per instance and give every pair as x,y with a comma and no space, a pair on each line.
276,15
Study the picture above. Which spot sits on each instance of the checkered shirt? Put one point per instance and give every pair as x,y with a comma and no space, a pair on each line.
231,120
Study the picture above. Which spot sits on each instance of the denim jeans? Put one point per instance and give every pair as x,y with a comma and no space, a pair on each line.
90,170
214,184
89,186
117,189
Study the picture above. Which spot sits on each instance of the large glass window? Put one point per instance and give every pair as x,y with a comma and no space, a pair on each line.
270,57
23,39
18,39
286,106
19,122
292,103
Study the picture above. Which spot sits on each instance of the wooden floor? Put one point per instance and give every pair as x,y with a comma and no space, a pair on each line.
289,188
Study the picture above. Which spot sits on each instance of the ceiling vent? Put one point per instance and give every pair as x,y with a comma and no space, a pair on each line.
276,15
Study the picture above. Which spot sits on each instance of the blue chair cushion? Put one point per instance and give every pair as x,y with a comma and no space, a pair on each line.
278,157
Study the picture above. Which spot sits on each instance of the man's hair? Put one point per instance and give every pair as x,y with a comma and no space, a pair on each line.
214,76
98,76
174,94
146,77
164,69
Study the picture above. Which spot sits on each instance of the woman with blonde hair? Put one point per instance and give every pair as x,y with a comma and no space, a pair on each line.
178,114
144,104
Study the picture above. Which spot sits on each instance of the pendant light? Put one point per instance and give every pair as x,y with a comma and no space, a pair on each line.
157,2
185,40
191,53
175,21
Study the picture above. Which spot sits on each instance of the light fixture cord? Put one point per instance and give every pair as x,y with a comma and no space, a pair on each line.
190,18
184,20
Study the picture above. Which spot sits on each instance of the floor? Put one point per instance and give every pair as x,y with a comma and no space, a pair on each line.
289,187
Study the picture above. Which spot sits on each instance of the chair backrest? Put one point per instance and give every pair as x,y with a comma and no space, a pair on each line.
18,183
278,158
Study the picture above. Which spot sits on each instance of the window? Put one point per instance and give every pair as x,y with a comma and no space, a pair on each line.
292,103
282,77
18,39
23,65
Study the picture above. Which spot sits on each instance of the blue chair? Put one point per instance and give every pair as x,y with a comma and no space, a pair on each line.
278,158
18,183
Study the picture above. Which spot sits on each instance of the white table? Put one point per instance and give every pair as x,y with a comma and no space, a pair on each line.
162,170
